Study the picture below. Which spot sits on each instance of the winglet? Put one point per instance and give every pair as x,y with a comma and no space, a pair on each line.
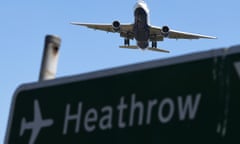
75,23
209,37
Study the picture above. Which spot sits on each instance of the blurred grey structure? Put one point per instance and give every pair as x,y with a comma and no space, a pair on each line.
50,58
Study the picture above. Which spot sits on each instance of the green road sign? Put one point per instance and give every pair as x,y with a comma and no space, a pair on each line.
187,99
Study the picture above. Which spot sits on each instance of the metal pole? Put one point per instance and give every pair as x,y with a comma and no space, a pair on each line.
50,58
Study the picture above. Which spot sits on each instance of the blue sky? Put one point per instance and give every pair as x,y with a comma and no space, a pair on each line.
24,25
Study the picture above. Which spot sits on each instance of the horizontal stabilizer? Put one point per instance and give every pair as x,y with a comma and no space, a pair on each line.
129,46
149,48
158,50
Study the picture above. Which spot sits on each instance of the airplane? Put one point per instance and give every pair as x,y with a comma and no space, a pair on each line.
37,124
142,30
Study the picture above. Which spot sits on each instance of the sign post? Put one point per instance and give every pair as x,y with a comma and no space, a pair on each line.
177,100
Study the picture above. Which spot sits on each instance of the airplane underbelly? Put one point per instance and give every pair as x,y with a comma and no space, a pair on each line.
142,44
141,28
142,35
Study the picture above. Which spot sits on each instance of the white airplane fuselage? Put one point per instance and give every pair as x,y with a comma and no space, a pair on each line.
141,24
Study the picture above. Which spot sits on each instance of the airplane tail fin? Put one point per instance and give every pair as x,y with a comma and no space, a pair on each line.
23,126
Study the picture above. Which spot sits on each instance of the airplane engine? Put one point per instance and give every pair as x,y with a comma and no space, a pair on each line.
165,31
116,26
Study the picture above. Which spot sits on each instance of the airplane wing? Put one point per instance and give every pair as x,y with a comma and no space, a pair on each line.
176,34
124,28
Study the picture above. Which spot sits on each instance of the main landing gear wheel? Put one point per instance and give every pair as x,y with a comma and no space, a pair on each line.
126,42
154,44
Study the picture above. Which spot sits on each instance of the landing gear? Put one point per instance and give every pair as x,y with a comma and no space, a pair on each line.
154,44
126,42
